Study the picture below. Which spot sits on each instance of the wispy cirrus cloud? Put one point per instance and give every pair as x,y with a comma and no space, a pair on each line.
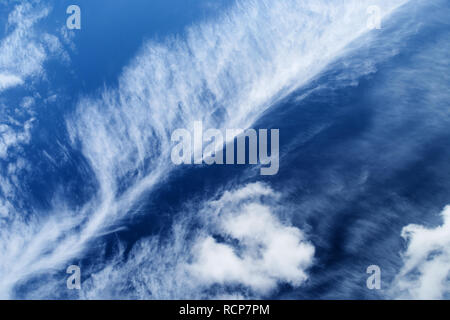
23,50
226,73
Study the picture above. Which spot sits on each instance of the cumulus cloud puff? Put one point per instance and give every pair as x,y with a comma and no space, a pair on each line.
426,270
265,250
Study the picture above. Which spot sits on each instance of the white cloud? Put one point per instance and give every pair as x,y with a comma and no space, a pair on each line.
11,137
426,270
9,80
225,72
256,254
23,51
267,251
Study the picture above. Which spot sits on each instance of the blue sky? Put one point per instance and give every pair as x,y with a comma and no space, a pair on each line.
85,138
